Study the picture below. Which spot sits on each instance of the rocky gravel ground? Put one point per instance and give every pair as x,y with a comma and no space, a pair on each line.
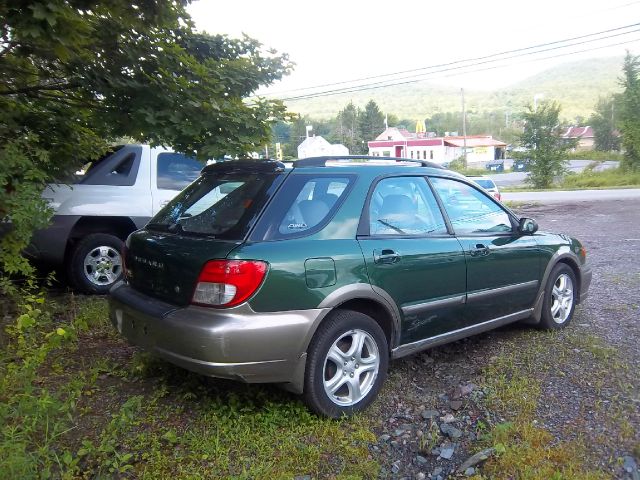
581,385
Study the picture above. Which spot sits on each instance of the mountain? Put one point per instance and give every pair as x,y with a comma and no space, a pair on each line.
576,85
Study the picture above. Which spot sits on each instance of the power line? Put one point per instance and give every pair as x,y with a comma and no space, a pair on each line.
359,89
426,76
473,59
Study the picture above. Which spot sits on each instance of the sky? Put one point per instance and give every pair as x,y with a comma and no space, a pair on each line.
336,41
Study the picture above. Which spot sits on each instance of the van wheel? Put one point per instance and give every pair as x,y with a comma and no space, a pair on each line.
559,298
96,263
347,363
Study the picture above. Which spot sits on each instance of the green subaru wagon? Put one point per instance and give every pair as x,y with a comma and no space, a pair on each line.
315,276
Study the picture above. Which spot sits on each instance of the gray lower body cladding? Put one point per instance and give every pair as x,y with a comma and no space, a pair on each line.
236,343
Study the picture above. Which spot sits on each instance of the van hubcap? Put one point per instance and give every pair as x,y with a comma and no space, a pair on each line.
561,298
351,367
102,265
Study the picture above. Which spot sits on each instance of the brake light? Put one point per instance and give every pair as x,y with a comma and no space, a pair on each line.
227,283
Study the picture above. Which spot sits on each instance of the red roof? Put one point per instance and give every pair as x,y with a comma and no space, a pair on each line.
578,132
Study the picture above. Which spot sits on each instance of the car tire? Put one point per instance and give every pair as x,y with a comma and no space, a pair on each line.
560,298
95,264
347,363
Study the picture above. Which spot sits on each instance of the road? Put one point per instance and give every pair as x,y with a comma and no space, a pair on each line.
517,178
562,196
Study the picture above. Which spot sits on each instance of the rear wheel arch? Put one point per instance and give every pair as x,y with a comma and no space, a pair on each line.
120,227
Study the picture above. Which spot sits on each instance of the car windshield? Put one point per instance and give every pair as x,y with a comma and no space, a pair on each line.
485,183
223,206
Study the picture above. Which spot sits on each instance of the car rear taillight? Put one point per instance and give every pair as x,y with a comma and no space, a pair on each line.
497,196
226,283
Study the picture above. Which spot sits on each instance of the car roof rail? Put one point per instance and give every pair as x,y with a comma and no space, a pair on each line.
245,165
322,161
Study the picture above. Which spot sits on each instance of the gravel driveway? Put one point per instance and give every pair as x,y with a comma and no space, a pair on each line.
435,405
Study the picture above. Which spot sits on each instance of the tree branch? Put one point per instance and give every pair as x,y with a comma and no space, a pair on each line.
38,88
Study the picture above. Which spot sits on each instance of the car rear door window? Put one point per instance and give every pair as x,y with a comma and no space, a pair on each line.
404,206
471,211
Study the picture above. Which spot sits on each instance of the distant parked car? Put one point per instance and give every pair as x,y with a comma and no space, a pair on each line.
489,185
316,276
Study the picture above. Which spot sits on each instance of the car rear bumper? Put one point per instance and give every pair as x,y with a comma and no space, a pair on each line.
236,343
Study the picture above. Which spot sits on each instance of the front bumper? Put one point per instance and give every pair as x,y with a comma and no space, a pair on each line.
585,282
236,343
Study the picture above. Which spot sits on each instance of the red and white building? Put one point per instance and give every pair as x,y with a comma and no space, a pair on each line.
396,142
583,135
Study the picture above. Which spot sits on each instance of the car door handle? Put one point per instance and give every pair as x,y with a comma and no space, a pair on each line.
385,255
479,250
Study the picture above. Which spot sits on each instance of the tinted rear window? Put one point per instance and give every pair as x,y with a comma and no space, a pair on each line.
223,206
485,183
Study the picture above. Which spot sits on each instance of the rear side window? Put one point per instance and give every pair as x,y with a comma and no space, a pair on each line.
305,204
176,171
485,183
223,206
120,168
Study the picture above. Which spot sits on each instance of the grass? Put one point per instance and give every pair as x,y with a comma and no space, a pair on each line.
514,381
89,409
589,178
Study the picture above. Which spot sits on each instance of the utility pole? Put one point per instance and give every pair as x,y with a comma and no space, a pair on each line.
464,129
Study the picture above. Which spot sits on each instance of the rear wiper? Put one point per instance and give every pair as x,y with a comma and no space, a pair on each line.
175,228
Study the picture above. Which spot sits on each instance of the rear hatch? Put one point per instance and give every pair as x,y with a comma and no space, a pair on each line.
206,221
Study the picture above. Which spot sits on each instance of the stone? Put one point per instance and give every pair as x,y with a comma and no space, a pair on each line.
421,460
436,471
475,459
447,452
455,405
430,414
420,476
448,418
435,452
394,444
395,468
469,471
398,432
450,431
302,477
384,438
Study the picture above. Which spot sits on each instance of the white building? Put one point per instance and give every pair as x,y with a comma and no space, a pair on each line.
317,146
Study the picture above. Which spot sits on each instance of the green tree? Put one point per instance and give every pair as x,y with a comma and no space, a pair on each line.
347,129
547,150
371,121
603,123
74,75
630,112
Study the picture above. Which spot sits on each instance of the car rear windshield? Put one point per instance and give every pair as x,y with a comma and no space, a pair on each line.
219,205
484,183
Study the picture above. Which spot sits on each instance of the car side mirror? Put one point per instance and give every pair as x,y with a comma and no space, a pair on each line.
528,226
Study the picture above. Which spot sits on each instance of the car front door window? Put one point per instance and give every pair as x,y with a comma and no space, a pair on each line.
470,211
